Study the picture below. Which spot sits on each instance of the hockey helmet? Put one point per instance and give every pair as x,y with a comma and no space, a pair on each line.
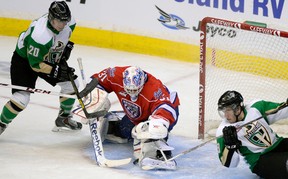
133,81
231,99
59,10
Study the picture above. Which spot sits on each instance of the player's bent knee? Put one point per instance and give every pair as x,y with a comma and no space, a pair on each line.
67,88
20,100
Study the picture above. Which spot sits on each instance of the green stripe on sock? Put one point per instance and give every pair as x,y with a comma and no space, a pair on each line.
7,116
67,105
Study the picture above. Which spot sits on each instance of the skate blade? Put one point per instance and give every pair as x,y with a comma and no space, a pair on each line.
152,164
63,129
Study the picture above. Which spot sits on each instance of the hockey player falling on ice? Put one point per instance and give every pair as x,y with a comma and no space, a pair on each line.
40,52
150,112
264,151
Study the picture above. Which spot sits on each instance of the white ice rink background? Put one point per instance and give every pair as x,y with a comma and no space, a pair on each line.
30,150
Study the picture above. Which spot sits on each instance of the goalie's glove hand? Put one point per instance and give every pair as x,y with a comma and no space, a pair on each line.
231,140
67,51
61,71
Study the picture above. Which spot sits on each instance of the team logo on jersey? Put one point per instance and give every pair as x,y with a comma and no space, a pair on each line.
111,72
132,109
55,53
158,93
257,134
59,46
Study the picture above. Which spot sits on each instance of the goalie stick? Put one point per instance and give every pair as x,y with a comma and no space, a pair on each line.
88,88
267,113
101,160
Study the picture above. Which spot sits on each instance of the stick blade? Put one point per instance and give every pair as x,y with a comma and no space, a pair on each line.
114,163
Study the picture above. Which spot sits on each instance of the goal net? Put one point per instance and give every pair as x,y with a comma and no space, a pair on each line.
250,59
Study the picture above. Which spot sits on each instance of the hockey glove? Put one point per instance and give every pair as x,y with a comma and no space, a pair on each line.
61,72
67,51
230,138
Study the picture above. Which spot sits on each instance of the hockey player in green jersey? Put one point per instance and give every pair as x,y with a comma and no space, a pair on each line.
263,150
40,52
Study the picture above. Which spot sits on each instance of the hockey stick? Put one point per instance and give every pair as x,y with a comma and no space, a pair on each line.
35,90
82,71
88,88
267,113
101,160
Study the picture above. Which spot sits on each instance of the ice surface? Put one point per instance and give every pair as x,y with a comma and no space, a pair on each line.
30,150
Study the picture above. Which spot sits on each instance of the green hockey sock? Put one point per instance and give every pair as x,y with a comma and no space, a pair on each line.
67,105
8,115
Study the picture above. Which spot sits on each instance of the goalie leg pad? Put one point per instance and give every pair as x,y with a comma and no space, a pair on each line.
103,125
143,148
146,152
149,148
97,100
137,148
163,145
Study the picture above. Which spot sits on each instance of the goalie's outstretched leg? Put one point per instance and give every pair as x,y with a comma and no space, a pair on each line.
150,147
154,154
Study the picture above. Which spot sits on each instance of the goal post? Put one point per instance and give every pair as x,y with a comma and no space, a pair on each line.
250,59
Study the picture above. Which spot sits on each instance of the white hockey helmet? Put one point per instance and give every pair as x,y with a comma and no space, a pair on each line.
133,81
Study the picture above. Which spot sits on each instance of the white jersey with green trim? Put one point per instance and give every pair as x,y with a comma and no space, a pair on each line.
42,43
257,137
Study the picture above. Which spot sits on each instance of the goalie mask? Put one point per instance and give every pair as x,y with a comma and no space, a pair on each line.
59,10
230,100
133,81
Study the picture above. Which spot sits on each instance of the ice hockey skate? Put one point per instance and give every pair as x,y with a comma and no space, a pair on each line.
149,163
160,161
3,126
66,123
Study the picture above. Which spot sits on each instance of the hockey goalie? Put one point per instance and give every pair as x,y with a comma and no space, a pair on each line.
150,111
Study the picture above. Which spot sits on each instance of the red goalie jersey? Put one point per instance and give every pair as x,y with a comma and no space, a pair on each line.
154,98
